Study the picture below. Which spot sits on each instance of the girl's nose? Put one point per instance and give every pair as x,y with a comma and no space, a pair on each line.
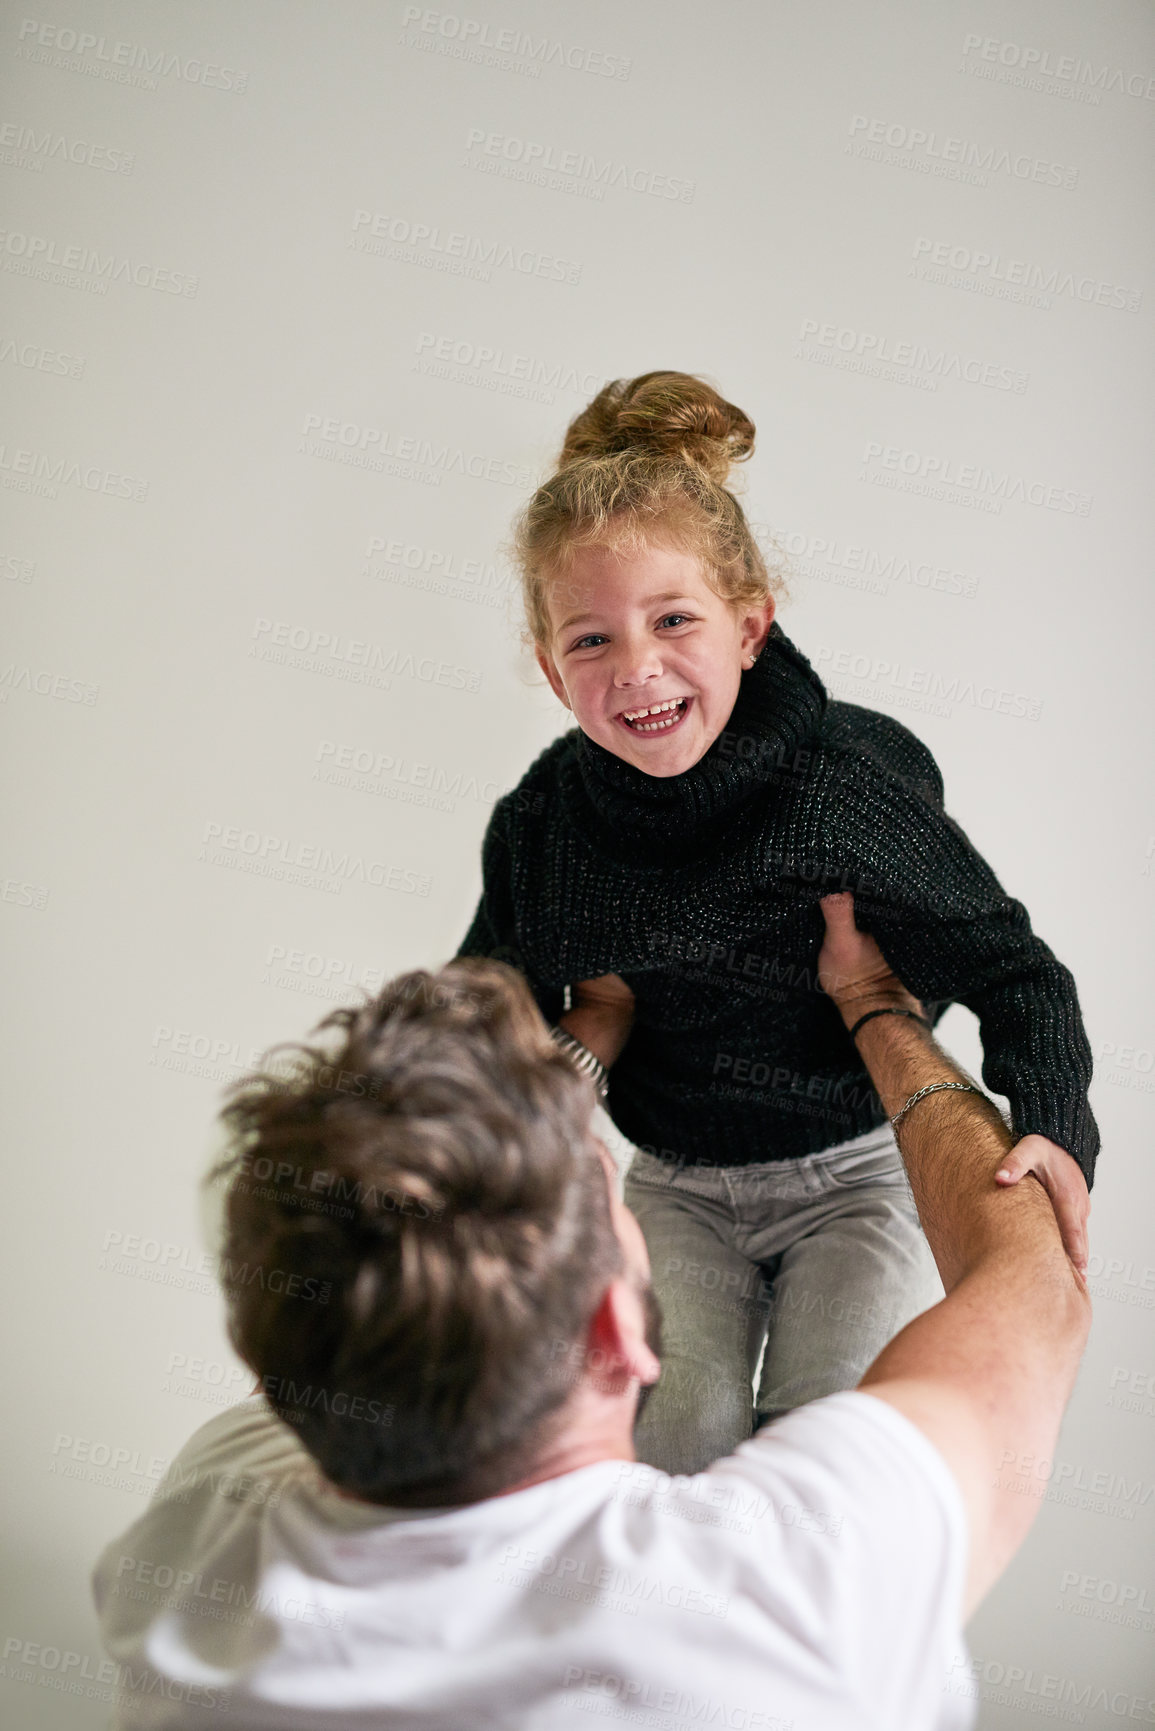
635,662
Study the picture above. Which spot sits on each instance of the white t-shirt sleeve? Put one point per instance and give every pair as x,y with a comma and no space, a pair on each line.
874,1533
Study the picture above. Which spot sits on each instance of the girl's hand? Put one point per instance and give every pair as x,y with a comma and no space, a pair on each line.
1062,1178
601,1015
851,967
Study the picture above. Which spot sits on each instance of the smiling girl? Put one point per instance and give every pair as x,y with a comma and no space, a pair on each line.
656,877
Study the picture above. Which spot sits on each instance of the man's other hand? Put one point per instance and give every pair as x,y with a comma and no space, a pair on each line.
609,990
1062,1179
851,968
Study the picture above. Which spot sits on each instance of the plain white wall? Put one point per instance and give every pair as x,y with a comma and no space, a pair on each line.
299,298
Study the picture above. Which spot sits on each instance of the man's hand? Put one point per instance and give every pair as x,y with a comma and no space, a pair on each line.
607,989
601,1015
1062,1178
852,969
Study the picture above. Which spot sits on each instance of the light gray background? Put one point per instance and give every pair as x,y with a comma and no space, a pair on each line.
156,755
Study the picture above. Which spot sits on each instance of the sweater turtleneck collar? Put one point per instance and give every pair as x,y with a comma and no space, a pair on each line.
779,703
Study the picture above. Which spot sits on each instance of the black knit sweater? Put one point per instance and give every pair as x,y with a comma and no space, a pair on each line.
701,890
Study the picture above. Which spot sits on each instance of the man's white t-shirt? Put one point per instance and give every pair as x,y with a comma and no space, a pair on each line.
811,1581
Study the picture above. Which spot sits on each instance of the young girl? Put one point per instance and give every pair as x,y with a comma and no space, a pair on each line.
656,877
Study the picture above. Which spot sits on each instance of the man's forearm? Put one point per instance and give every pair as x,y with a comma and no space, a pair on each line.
602,1031
601,1016
987,1372
1007,1339
952,1144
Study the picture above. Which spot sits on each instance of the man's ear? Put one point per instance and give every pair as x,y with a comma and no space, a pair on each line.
546,662
616,1350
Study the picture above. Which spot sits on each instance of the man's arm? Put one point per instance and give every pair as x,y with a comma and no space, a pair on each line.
1035,1048
951,932
985,1374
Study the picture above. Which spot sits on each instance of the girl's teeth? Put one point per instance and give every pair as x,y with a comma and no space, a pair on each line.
664,720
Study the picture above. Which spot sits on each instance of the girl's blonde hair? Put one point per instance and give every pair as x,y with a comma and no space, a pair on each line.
645,463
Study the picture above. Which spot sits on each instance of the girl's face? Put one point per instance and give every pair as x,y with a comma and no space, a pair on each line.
646,655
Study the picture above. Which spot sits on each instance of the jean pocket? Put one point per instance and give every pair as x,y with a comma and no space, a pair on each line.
864,1166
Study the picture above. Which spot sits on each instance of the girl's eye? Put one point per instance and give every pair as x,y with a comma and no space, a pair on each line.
593,638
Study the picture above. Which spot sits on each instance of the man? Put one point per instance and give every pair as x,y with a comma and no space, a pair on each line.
430,1270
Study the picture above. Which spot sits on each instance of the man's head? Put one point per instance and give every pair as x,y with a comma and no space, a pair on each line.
426,1262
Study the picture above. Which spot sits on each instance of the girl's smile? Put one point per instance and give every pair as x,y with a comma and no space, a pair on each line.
647,655
658,718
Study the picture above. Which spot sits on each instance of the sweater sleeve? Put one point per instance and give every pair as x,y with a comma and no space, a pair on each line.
952,934
494,928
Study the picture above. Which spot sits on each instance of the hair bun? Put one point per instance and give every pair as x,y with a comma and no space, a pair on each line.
675,415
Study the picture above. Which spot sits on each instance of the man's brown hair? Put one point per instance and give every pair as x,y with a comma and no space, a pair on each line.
418,1233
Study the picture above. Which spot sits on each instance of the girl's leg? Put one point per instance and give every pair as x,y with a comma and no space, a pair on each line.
714,1307
858,1270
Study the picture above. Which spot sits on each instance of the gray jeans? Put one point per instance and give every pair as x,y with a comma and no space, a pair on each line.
821,1260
